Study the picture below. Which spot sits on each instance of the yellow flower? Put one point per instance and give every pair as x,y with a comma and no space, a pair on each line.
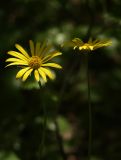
38,62
90,45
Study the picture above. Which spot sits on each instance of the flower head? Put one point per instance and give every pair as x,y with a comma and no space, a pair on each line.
90,45
38,61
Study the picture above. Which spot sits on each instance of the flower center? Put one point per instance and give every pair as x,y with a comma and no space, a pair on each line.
35,62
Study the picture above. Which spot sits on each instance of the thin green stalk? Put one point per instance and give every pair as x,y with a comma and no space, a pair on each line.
42,145
90,112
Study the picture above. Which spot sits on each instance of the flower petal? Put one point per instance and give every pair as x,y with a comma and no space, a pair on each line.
80,48
27,74
21,72
42,48
77,41
31,47
17,55
18,63
102,44
51,55
50,74
36,75
43,75
107,43
95,41
46,50
52,65
91,47
37,48
22,50
15,60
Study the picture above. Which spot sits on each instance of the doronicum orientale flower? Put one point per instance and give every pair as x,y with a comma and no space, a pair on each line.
38,61
89,46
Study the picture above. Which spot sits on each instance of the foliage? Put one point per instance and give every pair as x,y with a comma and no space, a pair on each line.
21,116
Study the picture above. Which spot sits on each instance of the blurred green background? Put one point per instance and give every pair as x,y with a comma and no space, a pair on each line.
65,99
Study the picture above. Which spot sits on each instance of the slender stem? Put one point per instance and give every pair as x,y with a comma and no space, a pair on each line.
90,112
42,145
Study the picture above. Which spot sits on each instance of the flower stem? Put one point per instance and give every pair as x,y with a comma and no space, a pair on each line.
42,145
90,112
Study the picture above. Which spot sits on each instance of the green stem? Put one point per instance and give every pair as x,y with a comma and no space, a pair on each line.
90,112
42,145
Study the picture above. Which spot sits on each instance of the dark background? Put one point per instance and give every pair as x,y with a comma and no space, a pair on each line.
65,99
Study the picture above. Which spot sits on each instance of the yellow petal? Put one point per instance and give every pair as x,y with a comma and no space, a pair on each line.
51,55
80,48
95,41
43,75
108,43
22,50
75,47
52,65
46,50
15,60
21,72
36,75
17,55
48,73
77,41
91,47
37,48
17,63
27,74
31,47
42,48
84,47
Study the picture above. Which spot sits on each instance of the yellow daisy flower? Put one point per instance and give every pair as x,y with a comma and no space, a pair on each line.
38,61
90,45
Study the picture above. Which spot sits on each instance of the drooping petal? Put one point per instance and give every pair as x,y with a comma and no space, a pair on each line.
43,75
18,63
32,47
52,65
17,55
37,48
51,55
22,50
36,75
50,74
21,72
27,74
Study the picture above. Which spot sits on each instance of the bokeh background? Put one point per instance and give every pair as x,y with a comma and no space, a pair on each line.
65,99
